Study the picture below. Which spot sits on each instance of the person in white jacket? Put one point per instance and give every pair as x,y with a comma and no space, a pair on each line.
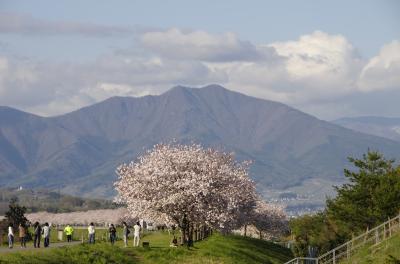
136,234
10,236
91,232
46,234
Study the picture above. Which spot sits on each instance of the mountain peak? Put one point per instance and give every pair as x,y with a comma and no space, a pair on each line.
210,87
215,87
287,146
178,89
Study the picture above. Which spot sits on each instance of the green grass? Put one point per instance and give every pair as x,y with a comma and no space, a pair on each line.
385,253
215,249
219,249
101,253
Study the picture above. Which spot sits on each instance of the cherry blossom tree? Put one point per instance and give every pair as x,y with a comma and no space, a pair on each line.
187,185
269,219
99,217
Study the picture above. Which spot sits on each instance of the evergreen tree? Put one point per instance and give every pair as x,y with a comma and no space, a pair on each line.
16,213
371,196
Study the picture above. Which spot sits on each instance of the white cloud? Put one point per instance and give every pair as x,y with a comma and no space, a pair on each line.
104,90
317,53
319,73
383,71
50,89
199,45
17,82
317,67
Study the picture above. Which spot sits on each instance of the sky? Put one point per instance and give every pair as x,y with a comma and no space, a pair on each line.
330,59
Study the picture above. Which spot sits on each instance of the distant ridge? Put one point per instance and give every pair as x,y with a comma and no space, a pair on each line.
387,127
79,151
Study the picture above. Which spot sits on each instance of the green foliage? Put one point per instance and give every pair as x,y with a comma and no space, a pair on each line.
371,196
16,214
316,231
393,260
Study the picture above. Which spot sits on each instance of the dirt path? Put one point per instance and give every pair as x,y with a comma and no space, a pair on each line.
17,247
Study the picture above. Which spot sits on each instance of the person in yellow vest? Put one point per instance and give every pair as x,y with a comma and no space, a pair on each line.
68,230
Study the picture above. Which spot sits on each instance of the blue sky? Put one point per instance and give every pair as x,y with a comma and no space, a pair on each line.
344,45
367,24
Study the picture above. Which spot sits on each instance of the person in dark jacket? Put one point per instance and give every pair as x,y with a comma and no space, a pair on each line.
113,234
37,232
125,233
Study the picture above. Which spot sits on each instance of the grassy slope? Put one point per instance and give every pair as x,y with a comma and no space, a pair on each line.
380,253
216,249
220,249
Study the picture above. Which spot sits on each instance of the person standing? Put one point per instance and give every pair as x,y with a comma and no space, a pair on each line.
113,234
37,231
136,234
91,232
69,231
125,233
46,234
22,235
10,236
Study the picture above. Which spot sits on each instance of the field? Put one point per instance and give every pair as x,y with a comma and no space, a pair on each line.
215,249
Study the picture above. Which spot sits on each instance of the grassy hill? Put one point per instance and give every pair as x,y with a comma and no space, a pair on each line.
388,252
216,249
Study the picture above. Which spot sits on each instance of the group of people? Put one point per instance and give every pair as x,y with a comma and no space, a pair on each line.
41,230
113,233
38,232
44,231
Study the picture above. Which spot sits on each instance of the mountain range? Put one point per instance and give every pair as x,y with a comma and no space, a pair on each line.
78,152
387,127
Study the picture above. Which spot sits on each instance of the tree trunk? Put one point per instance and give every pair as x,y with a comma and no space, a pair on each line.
245,230
260,234
190,236
184,226
183,238
196,233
